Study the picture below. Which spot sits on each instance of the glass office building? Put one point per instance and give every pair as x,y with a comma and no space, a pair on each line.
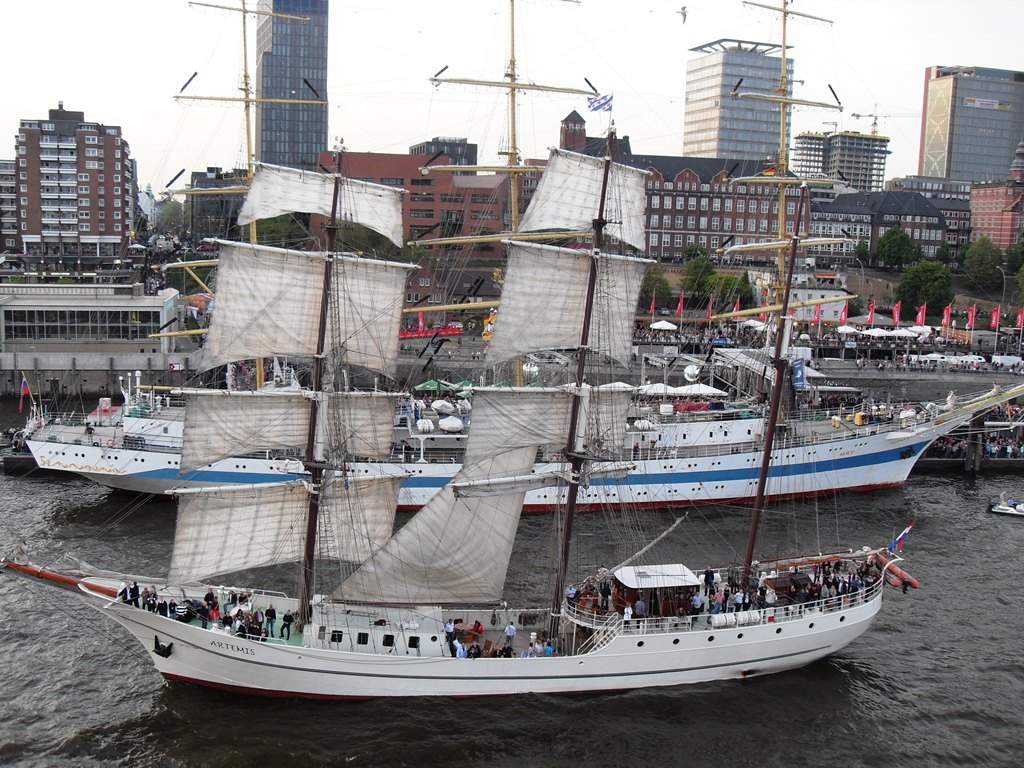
291,63
971,122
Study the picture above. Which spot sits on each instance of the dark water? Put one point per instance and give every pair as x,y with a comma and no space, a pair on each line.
938,681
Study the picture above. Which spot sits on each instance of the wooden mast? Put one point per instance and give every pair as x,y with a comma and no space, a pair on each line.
572,450
313,463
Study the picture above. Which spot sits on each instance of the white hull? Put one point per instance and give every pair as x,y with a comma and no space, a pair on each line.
862,462
631,660
1016,510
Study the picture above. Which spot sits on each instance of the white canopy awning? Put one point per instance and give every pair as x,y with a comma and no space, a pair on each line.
656,576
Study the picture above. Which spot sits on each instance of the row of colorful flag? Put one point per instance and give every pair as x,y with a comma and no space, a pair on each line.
919,319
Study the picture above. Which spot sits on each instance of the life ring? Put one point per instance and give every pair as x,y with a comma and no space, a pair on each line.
110,443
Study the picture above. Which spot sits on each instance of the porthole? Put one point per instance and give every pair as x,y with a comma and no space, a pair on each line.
739,636
778,631
842,618
710,638
811,625
640,644
676,641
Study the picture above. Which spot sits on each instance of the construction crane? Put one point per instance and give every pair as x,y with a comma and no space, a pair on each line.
874,117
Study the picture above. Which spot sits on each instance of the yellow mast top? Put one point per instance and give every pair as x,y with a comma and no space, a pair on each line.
512,166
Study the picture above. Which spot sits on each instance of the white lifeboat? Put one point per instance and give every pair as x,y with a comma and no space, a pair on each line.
424,425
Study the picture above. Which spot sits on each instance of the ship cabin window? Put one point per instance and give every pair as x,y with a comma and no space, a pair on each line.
337,635
414,642
362,638
389,641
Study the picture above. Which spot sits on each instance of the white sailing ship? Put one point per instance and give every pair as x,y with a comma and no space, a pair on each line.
379,629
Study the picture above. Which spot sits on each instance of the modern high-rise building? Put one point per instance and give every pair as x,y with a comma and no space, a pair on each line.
76,191
213,215
291,63
971,122
718,125
858,159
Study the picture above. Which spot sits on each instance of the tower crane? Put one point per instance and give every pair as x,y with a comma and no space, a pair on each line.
875,115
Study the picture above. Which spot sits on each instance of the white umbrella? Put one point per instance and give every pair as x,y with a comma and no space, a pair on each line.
903,333
663,325
875,332
921,330
846,329
615,386
757,325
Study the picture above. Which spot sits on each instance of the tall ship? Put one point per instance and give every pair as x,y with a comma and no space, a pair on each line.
420,611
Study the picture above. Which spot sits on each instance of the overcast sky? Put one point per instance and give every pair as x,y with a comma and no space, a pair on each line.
122,62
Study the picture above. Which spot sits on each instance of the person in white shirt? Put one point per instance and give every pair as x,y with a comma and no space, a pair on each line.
510,633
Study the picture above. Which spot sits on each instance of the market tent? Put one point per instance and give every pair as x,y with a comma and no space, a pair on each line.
698,390
876,332
655,389
663,325
846,329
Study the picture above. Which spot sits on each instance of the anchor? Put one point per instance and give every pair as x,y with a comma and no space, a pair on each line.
160,649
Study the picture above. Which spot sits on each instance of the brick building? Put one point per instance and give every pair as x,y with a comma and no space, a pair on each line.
997,208
76,190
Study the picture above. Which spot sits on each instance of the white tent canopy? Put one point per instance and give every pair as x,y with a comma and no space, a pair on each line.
699,390
663,325
876,332
846,329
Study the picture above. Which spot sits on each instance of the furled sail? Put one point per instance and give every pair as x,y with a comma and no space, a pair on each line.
230,529
454,550
221,423
568,197
543,301
276,190
268,304
606,420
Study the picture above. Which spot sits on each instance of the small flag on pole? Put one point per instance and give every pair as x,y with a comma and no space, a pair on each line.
679,306
736,306
24,391
600,103
817,314
946,313
970,316
871,313
896,313
993,322
652,305
919,320
709,312
842,313
897,543
1020,317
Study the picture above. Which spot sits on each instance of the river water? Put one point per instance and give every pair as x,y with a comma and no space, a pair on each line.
937,681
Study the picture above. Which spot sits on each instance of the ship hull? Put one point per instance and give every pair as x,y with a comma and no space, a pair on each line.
882,460
635,660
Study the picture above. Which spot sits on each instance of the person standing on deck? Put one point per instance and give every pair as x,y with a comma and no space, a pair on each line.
510,633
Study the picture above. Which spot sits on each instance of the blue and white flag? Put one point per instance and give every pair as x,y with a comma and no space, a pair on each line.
600,103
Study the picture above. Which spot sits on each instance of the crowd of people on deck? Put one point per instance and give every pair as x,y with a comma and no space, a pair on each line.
238,617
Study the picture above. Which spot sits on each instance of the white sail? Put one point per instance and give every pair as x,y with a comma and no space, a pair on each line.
221,423
360,514
268,304
606,420
276,190
543,301
454,550
511,417
568,197
231,530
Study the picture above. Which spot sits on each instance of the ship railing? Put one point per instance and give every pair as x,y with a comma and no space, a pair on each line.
773,614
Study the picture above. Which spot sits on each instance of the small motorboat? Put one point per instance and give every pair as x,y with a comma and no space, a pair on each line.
1007,505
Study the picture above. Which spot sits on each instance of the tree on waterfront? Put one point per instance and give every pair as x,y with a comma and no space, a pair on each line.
944,254
655,284
695,275
170,217
728,288
1015,258
895,248
927,282
981,264
861,252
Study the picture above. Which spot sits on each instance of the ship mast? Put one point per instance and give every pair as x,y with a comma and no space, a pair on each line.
573,450
778,174
512,166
